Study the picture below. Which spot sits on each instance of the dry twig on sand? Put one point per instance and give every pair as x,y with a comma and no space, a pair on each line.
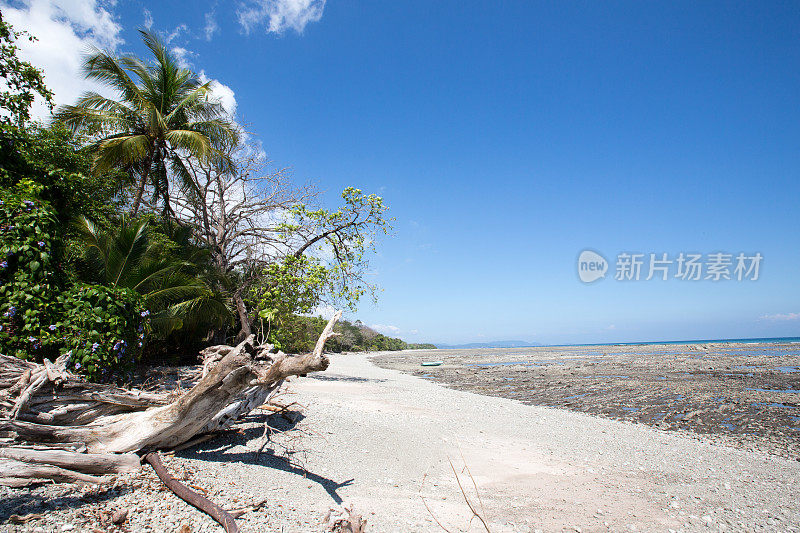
475,514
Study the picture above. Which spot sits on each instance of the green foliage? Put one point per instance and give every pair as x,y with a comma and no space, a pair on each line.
29,276
421,346
22,81
298,334
102,330
40,315
52,158
128,257
357,337
349,234
286,289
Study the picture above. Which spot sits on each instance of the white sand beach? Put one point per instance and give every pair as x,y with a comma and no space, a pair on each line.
383,441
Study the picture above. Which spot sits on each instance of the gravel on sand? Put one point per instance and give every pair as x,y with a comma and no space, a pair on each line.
385,441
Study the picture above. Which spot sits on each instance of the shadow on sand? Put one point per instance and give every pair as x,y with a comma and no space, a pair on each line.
219,450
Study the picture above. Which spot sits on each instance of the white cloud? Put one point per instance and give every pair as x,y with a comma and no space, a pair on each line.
182,55
66,29
280,15
148,19
782,317
211,25
222,93
386,329
176,33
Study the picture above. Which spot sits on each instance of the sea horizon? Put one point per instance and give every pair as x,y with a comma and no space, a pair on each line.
746,340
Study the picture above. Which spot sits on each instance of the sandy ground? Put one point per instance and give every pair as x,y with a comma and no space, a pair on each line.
742,393
383,440
535,467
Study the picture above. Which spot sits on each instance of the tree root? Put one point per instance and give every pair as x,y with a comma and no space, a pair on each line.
183,492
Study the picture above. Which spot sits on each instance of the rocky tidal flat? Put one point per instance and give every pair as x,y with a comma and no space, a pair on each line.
747,394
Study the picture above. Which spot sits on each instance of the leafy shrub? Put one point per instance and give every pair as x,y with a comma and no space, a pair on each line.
29,278
102,329
286,290
40,315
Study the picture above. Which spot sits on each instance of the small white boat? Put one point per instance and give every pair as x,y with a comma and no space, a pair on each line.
432,363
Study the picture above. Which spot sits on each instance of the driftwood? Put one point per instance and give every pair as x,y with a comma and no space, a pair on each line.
54,425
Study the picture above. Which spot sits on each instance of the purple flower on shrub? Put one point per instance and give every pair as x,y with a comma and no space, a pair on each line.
95,346
144,313
11,311
28,204
4,264
32,339
51,327
41,244
77,366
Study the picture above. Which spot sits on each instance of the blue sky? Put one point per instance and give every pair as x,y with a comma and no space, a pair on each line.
508,138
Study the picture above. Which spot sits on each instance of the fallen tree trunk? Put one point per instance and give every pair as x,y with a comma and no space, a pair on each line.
87,463
47,405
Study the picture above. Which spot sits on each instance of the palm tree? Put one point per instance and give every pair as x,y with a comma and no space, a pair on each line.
163,113
128,257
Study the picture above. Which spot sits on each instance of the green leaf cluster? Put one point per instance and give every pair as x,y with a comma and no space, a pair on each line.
22,81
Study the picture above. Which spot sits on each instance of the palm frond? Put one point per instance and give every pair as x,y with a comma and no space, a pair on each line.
102,67
193,142
121,151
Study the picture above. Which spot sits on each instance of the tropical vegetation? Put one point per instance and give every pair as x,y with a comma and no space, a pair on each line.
144,226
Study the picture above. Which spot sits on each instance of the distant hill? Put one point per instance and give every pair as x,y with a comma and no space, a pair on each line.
492,344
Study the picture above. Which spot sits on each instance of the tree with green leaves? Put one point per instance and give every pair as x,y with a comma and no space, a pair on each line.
326,261
343,238
163,114
266,239
22,80
128,257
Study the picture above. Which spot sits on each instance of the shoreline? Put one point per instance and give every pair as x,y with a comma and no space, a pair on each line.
738,393
382,439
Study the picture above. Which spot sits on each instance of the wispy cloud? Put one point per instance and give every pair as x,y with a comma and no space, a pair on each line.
211,25
66,29
182,55
177,32
148,18
386,329
280,15
782,317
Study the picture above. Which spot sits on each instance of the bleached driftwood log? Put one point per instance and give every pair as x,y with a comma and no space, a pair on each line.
46,405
